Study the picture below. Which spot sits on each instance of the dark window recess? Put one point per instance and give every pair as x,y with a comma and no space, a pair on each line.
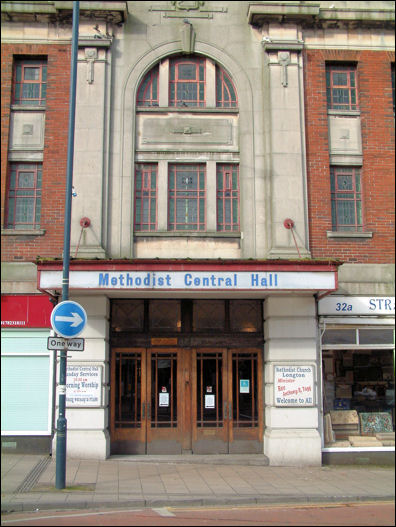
186,316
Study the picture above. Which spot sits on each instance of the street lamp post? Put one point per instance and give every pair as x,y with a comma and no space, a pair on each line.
61,425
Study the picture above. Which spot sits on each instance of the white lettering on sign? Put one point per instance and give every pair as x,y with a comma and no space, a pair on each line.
294,385
84,385
357,305
182,280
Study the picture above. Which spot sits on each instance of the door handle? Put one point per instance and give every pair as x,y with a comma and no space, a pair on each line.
148,411
225,411
143,410
229,411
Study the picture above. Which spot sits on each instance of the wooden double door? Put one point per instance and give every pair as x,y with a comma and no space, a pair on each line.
175,400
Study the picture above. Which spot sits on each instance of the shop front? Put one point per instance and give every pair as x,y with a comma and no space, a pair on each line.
27,374
196,357
358,372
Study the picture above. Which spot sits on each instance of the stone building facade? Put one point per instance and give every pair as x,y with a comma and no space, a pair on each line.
226,200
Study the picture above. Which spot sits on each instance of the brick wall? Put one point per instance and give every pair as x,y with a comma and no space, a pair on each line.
378,170
26,248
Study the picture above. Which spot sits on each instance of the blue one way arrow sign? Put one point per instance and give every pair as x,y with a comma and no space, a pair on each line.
68,319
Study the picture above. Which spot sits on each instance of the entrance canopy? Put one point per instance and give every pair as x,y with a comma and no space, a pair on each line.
191,278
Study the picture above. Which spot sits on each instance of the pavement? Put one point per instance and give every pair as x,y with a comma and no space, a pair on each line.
28,482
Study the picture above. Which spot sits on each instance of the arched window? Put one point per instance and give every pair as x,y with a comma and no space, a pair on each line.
225,91
188,85
187,165
148,89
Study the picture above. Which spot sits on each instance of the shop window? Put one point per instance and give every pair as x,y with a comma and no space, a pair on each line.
376,336
225,90
148,89
30,82
361,380
186,206
346,199
187,82
227,198
24,196
358,386
146,197
341,87
339,336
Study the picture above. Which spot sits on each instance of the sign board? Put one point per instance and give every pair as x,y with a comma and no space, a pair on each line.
357,305
293,385
58,343
84,385
244,385
209,401
192,280
25,311
68,319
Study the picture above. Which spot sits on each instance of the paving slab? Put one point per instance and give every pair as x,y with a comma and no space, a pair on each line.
156,481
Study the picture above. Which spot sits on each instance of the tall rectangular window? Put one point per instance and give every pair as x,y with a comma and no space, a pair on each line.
30,82
227,197
187,82
341,87
24,196
186,209
346,199
146,197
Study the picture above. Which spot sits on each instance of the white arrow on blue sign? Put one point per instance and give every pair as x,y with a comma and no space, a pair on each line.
68,319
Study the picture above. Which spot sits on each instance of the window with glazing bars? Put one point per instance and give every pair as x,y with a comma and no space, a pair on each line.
148,89
187,82
186,208
24,196
225,90
146,197
341,88
346,204
30,82
227,197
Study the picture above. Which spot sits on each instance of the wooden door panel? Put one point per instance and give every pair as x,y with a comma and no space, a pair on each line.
245,389
209,402
128,380
164,395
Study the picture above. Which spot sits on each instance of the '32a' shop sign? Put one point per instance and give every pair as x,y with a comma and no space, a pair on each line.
357,305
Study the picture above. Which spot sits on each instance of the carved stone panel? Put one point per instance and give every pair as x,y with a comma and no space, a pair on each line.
27,130
169,132
345,135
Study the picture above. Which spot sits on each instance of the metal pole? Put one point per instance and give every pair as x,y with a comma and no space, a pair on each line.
61,425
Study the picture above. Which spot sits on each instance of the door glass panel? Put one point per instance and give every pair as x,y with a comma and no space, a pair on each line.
164,390
128,390
244,390
209,390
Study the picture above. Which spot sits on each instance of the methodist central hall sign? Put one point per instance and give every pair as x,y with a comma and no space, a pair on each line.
191,280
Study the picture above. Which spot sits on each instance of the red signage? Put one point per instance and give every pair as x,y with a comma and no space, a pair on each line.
25,311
